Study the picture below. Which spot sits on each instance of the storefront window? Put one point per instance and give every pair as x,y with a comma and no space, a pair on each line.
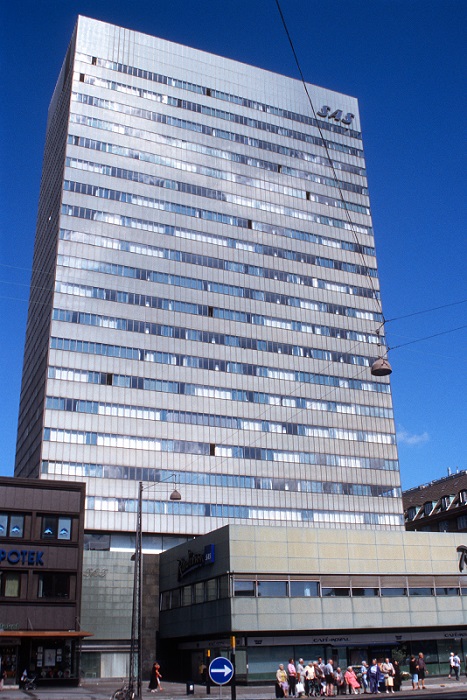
54,658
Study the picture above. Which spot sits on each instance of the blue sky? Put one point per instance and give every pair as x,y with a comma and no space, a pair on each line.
404,60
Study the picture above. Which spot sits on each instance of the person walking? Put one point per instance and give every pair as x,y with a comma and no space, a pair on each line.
155,678
413,669
422,671
456,664
388,670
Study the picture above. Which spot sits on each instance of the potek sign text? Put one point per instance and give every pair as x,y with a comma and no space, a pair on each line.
21,557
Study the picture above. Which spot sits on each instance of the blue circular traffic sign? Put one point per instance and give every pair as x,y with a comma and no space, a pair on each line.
221,670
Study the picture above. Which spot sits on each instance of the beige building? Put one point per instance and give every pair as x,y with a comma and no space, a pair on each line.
284,592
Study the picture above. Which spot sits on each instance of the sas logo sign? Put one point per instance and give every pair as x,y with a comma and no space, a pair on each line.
337,115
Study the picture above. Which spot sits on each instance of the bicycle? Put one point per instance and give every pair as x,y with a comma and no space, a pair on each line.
126,692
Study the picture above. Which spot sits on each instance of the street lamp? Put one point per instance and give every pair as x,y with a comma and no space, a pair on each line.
136,655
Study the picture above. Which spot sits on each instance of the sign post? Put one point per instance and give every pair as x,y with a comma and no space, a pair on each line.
233,685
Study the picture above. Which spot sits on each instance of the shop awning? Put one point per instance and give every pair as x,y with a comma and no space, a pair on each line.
43,633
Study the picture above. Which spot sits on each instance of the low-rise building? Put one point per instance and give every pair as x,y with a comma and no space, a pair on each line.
284,592
439,506
41,547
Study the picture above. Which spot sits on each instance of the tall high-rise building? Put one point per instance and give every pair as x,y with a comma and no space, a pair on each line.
205,303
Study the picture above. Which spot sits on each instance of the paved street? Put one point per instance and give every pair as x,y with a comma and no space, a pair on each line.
444,688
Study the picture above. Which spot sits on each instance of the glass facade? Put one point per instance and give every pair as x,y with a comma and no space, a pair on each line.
206,267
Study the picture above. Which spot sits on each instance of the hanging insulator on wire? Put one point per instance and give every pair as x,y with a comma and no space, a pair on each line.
381,367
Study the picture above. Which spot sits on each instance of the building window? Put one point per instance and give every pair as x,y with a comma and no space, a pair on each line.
272,589
445,502
365,592
443,526
420,591
447,591
165,600
199,592
304,589
94,541
427,508
335,592
9,584
54,585
212,589
462,522
463,497
392,592
187,598
411,513
55,528
11,525
244,589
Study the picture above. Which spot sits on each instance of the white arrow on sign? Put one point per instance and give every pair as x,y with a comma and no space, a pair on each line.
226,670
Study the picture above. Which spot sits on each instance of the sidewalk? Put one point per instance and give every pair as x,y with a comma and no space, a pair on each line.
102,689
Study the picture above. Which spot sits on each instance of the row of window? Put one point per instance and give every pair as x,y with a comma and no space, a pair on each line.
216,94
211,479
231,156
208,111
253,513
207,214
252,246
186,307
184,388
147,275
262,295
293,589
231,117
199,191
149,225
209,419
153,414
218,588
46,585
229,265
52,527
138,442
129,325
297,154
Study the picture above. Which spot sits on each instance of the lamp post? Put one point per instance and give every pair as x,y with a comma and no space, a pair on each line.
136,652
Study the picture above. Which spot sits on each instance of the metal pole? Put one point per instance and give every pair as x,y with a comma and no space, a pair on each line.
233,683
135,636
140,591
208,677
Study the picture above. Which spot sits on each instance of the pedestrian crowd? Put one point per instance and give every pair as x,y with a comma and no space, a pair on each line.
317,678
